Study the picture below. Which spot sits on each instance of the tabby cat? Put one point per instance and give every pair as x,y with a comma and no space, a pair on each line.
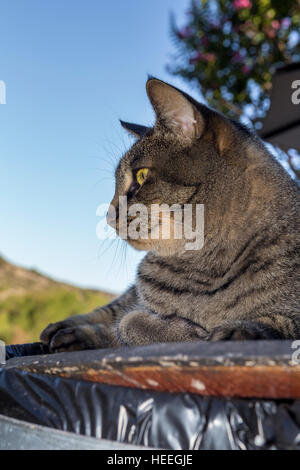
244,282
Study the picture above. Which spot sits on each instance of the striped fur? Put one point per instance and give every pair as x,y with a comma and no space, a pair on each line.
244,283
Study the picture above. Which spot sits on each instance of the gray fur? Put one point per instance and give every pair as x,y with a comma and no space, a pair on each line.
244,283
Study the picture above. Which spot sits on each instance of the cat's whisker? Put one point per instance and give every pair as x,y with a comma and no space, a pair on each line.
243,283
108,242
102,170
117,247
107,159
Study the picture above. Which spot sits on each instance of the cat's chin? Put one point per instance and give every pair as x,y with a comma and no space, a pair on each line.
141,245
159,247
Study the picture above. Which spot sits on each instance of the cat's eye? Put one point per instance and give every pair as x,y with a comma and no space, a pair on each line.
141,175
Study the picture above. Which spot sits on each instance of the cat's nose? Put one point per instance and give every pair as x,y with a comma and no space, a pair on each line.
112,216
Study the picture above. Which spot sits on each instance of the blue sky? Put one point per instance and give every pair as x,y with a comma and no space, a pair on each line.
72,68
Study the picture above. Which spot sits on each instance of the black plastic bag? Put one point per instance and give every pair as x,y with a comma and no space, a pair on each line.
149,418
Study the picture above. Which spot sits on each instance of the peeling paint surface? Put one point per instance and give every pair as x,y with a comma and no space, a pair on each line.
198,385
245,369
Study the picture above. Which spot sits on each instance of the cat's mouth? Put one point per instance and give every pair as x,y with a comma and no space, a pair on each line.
162,231
154,241
146,231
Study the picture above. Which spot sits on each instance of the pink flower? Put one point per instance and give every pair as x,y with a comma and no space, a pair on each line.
246,69
185,32
285,23
208,57
239,4
271,34
204,41
275,24
198,56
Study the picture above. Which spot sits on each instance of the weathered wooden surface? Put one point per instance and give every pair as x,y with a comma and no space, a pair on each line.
263,369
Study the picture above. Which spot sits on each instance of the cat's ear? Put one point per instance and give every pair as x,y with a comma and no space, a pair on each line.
134,129
174,110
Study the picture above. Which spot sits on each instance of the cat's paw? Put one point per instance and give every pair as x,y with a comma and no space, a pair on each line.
49,332
229,333
243,330
69,336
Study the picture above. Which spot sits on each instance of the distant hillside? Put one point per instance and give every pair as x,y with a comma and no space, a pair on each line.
30,300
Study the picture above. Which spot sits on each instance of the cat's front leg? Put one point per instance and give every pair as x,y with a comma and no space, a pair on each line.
90,331
141,327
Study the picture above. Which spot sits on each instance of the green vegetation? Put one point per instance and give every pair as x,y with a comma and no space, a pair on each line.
29,301
230,50
23,318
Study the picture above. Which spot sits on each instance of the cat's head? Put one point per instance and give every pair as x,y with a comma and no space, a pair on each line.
175,162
